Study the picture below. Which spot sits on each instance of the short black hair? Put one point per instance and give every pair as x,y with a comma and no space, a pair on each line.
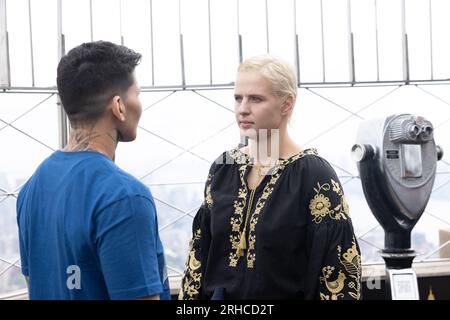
91,74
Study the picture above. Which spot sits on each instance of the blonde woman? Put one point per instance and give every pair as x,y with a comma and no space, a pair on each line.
274,223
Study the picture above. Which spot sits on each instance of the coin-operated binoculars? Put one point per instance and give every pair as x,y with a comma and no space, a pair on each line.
396,158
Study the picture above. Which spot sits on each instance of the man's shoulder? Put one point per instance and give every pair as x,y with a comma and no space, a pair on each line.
127,180
119,189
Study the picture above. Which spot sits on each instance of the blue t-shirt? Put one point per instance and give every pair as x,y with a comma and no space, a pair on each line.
88,230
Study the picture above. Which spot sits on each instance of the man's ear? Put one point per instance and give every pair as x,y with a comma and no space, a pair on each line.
118,108
288,105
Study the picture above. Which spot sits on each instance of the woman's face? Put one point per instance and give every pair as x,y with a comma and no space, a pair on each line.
256,106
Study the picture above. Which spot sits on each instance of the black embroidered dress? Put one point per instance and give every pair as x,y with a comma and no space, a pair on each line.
299,240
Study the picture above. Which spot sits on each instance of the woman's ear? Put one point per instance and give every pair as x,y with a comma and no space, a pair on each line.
288,105
118,108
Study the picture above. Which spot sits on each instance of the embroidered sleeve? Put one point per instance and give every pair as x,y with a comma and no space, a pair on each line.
340,274
334,258
191,284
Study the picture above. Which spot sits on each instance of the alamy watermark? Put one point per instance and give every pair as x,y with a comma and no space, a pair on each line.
263,146
74,277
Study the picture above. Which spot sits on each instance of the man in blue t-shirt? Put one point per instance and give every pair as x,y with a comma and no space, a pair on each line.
87,229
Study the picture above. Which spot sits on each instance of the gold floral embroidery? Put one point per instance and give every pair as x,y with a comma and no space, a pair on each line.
238,216
309,151
208,198
191,283
239,157
333,286
239,204
343,206
349,280
268,189
320,205
352,264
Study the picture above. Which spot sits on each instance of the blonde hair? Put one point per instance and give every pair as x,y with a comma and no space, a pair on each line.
277,71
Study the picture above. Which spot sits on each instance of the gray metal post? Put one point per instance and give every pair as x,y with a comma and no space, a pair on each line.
151,43
405,45
351,48
210,45
239,36
5,78
267,29
431,39
31,44
296,49
323,42
91,21
376,40
183,74
122,41
62,116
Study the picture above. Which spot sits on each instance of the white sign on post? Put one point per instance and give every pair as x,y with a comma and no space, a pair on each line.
403,284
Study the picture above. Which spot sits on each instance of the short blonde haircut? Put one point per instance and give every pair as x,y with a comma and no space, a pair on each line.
277,71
